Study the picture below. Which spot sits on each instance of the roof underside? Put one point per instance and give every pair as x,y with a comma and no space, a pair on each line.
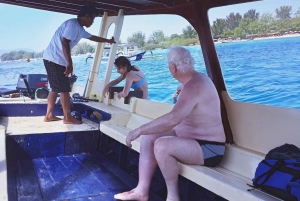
130,7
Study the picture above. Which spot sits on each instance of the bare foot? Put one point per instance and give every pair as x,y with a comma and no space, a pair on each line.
72,120
130,195
52,118
97,115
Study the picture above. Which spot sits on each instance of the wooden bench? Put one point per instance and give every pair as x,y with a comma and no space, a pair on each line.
228,180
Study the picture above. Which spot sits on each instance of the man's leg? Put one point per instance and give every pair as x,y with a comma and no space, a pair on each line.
147,167
171,150
65,102
51,102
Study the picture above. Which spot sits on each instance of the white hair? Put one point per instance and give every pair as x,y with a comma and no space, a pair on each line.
182,58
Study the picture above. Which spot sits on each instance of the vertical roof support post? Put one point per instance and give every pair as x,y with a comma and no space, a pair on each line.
98,56
94,85
118,20
211,61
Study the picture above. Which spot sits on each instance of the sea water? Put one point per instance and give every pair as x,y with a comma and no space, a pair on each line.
258,71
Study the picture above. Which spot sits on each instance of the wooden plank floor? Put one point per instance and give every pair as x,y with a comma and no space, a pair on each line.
33,125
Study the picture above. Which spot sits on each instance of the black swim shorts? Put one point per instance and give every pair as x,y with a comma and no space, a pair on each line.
57,79
213,152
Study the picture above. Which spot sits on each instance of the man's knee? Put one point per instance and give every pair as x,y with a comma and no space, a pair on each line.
146,139
161,148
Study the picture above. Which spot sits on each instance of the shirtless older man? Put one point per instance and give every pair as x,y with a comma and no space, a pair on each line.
192,133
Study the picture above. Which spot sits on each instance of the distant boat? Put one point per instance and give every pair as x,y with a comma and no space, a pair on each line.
134,57
131,57
27,60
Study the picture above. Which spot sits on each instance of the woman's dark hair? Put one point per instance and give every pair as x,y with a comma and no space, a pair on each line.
123,61
89,10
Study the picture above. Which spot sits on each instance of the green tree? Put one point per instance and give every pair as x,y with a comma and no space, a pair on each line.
189,32
258,27
297,13
283,12
233,20
295,24
83,48
238,32
267,18
252,15
173,36
156,37
219,27
21,54
137,39
228,33
281,25
28,55
244,27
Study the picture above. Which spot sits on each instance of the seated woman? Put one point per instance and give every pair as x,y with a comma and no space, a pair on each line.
135,78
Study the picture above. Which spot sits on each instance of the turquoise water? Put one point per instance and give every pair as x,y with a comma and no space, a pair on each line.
264,72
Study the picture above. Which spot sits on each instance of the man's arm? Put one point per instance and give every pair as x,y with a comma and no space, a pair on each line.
181,110
102,40
67,53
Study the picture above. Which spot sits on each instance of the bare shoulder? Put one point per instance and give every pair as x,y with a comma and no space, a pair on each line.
198,80
200,85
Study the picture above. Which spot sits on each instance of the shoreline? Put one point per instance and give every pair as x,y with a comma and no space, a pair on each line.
275,37
262,38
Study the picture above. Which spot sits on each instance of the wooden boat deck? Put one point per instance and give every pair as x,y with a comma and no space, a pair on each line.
35,125
54,161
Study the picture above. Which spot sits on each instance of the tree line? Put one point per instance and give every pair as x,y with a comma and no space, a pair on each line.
157,39
21,54
234,25
252,23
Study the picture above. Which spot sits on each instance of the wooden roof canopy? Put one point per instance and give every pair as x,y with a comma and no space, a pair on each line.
130,7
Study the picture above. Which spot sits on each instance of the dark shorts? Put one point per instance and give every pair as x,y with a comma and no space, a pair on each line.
213,152
57,79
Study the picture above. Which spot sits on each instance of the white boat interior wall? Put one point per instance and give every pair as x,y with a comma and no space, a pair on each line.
3,168
261,128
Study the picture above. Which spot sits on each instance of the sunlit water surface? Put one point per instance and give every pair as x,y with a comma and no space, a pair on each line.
264,72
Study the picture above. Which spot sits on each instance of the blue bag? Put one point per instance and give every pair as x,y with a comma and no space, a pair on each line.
280,177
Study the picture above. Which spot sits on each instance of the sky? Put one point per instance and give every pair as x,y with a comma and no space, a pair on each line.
26,28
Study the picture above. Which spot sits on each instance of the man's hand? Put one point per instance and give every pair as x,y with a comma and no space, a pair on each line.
69,70
112,40
132,135
119,95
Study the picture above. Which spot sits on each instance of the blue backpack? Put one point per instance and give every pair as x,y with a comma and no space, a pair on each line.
279,173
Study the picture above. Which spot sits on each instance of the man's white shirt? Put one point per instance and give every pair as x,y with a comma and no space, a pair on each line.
70,30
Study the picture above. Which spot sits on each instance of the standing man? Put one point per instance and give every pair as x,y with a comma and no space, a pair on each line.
58,61
192,133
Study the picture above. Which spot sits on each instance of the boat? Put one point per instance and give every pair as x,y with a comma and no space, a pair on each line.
131,57
53,161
